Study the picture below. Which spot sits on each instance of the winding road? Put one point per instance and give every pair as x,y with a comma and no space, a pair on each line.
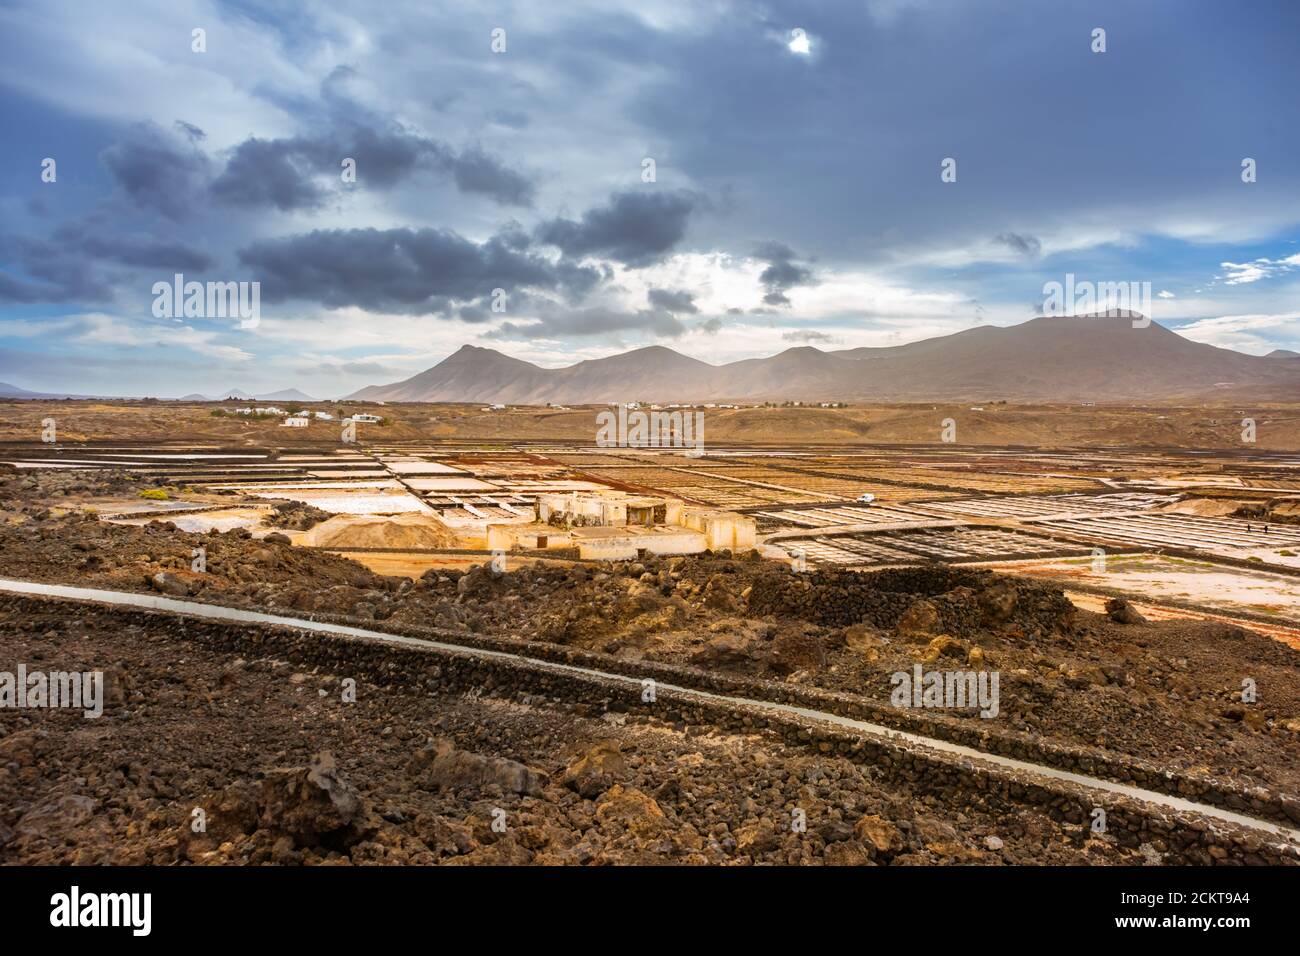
739,704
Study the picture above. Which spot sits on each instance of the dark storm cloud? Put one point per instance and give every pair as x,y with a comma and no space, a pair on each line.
69,265
141,252
408,270
804,148
280,172
41,270
158,170
1022,162
677,301
514,236
267,173
476,172
634,228
1028,246
18,291
167,172
782,273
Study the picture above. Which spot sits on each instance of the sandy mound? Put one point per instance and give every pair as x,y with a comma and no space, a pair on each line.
1205,507
1288,508
381,531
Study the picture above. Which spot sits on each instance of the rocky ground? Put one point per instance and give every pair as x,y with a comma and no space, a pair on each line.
1168,692
280,770
296,516
1192,426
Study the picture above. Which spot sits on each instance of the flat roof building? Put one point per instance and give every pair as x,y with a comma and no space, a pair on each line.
616,525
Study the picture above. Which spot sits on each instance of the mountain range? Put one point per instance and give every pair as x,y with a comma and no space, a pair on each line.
1047,359
284,395
13,391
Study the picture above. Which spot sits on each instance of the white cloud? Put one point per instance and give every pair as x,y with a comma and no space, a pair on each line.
1245,333
102,329
1241,273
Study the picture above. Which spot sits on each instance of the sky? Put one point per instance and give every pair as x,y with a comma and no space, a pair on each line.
567,181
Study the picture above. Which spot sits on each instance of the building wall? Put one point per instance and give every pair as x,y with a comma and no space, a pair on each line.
627,547
607,549
722,529
505,537
679,529
608,512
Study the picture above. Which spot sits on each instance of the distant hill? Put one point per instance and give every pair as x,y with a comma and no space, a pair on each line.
1282,353
13,391
284,395
1047,359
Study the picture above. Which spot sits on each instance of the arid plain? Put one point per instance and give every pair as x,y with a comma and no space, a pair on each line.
413,642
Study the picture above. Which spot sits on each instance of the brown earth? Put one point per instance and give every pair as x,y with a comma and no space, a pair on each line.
1169,692
279,770
374,531
1192,426
1202,507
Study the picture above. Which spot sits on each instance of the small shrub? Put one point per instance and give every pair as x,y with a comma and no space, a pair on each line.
154,494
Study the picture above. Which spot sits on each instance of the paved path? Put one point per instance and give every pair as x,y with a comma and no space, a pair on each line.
757,707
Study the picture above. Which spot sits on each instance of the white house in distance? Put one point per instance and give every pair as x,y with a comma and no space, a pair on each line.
324,417
295,421
617,526
363,417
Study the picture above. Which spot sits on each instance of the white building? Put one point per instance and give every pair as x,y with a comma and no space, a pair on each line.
616,526
295,421
324,417
366,418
